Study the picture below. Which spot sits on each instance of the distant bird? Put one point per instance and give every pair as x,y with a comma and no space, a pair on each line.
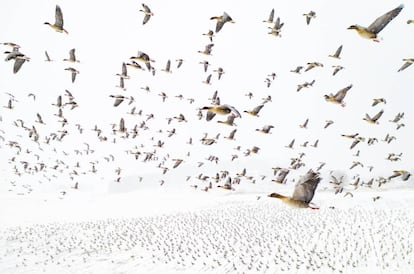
179,62
408,62
337,53
397,117
229,121
47,57
210,35
9,104
124,73
377,101
143,57
272,75
270,18
205,65
221,20
72,57
231,135
255,111
338,97
350,136
58,25
305,85
379,24
39,119
337,69
148,13
312,65
297,69
74,72
220,72
405,175
207,49
177,162
309,16
303,192
328,123
266,129
291,144
208,79
305,124
277,28
374,119
118,99
356,141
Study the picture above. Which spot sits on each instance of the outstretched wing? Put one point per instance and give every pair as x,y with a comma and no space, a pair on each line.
58,17
340,95
305,189
338,52
383,20
146,19
405,65
272,15
18,64
378,115
210,115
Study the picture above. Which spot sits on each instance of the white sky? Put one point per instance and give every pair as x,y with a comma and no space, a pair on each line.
107,33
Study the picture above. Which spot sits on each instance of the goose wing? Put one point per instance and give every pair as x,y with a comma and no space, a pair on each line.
305,189
383,20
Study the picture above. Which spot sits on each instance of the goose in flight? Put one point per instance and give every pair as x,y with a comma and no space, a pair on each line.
303,192
143,57
221,20
47,57
255,111
148,13
338,97
309,16
72,57
58,25
408,62
210,35
73,72
337,53
374,119
379,24
220,109
377,101
277,28
18,57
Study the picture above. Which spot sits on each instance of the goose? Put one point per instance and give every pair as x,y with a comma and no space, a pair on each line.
303,192
338,97
58,25
221,20
148,13
72,57
309,16
337,53
371,32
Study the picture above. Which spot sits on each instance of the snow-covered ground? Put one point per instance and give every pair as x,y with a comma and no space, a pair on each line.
162,230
